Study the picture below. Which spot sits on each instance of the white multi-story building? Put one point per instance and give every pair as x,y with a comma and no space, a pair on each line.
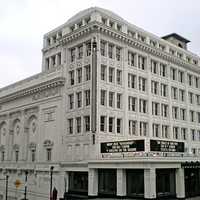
115,112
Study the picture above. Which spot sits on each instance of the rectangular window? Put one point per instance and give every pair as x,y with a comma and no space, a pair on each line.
71,77
87,123
175,132
196,79
198,99
88,49
132,127
132,103
119,125
131,81
80,52
181,76
59,59
154,87
119,77
87,73
154,67
32,155
111,74
111,124
103,97
155,130
103,72
78,124
193,136
143,106
70,126
47,63
87,97
103,48
183,133
173,74
191,95
174,93
49,152
163,70
103,123
165,131
118,53
181,95
73,54
79,75
119,99
164,110
190,79
163,90
2,156
110,50
182,114
192,116
79,99
198,117
111,99
155,108
71,101
141,62
142,84
131,59
175,112
143,128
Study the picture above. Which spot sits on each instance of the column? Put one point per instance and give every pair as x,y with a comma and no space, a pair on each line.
121,182
150,183
180,183
93,182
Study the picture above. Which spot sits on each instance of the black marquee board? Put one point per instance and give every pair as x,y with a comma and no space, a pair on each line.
122,146
166,146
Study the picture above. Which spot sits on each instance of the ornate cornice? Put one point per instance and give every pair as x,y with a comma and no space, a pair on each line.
56,82
96,27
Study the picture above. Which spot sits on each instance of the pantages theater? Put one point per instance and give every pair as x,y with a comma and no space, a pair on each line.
114,113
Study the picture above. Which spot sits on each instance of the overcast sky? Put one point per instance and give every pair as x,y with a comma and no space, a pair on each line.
23,23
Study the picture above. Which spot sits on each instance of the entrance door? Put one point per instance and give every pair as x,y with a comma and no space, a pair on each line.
78,182
107,182
192,182
135,182
165,183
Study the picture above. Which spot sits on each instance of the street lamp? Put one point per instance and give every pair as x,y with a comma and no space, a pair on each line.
25,188
51,176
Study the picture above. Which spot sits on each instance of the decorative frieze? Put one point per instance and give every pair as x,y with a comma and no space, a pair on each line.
98,27
56,82
45,94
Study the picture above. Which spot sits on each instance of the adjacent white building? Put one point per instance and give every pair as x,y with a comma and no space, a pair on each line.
115,111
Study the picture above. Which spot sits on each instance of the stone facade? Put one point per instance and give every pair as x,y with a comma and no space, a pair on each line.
103,80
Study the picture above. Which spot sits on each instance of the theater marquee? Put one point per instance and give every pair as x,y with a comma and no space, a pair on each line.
166,146
122,146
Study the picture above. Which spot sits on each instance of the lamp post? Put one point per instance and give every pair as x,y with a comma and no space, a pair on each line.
7,187
25,188
51,176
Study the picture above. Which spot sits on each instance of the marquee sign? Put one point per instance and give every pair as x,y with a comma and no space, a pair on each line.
122,146
166,146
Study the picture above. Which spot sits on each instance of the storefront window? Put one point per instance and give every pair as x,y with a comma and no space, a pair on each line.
107,182
135,182
78,182
165,182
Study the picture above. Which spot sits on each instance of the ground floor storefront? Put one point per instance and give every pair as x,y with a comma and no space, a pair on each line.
156,182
